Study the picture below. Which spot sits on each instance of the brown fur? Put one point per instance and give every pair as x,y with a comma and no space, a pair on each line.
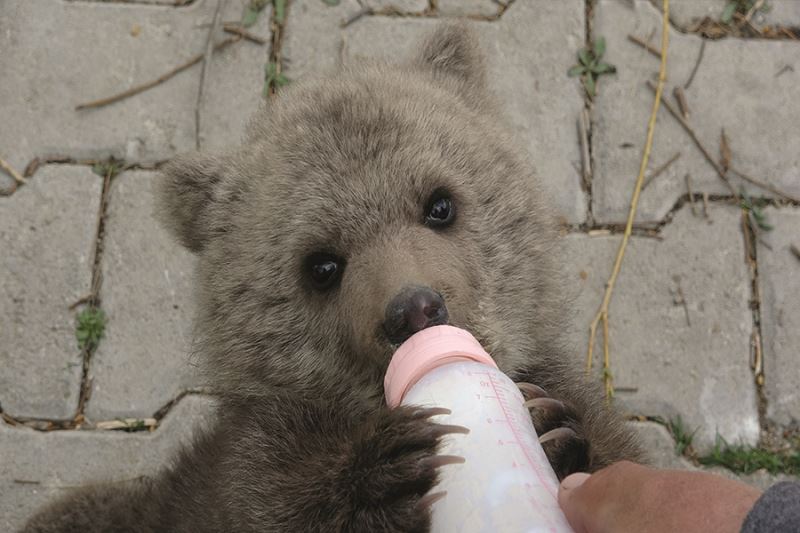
346,165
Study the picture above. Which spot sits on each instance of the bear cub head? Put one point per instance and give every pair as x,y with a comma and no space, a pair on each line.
359,209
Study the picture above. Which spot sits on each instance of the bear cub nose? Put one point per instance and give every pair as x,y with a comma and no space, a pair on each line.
412,310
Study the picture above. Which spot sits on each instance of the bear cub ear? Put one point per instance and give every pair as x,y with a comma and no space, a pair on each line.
187,197
453,53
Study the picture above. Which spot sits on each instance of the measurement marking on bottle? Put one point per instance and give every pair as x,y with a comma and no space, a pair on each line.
515,432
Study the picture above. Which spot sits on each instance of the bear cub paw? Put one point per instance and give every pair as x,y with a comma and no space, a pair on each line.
395,466
560,431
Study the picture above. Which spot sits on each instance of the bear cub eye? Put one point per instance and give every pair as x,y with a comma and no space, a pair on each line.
440,210
324,270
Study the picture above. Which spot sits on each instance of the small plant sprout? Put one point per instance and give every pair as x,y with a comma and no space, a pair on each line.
742,7
590,66
274,78
91,324
252,10
680,432
747,459
754,211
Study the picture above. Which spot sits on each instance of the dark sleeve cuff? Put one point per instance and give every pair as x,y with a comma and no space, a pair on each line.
776,511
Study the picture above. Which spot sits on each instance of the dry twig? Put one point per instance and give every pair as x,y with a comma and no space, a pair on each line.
583,135
696,64
766,186
602,313
755,7
691,194
644,44
678,298
697,142
127,423
243,33
795,251
724,151
721,170
677,92
152,83
12,172
660,170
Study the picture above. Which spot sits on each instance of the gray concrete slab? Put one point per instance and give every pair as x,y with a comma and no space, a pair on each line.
39,467
698,370
47,232
105,48
234,83
735,88
686,13
660,446
779,279
530,49
400,6
313,42
143,362
461,8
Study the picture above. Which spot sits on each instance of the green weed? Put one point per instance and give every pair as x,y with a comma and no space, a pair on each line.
753,209
590,66
747,459
682,434
273,79
741,7
91,324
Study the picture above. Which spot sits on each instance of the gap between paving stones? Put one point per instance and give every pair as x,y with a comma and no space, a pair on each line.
47,425
432,11
160,3
588,180
653,229
795,30
94,298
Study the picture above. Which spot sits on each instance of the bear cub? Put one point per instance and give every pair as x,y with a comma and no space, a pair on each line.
358,210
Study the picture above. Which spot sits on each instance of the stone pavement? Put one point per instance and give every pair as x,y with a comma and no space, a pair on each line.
697,330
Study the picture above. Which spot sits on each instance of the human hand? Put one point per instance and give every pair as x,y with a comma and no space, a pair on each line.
630,497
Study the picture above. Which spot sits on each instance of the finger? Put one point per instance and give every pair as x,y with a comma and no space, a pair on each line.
573,502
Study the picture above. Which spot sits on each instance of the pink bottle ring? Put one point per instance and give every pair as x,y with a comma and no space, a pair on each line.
426,350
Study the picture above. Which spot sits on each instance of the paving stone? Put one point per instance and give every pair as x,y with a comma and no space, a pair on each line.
484,8
143,362
402,6
660,446
685,13
171,3
39,466
735,88
47,231
234,84
531,47
699,371
104,49
779,279
313,43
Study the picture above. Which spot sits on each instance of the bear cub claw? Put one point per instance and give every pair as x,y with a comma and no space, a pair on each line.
395,466
559,428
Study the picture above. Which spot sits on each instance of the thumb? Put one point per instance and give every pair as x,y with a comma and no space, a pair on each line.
569,498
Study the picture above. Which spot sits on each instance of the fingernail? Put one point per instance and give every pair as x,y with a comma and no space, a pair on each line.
574,481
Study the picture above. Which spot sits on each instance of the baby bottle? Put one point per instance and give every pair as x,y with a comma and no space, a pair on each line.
506,483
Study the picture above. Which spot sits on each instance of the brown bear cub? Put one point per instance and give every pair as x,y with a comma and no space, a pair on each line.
359,210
